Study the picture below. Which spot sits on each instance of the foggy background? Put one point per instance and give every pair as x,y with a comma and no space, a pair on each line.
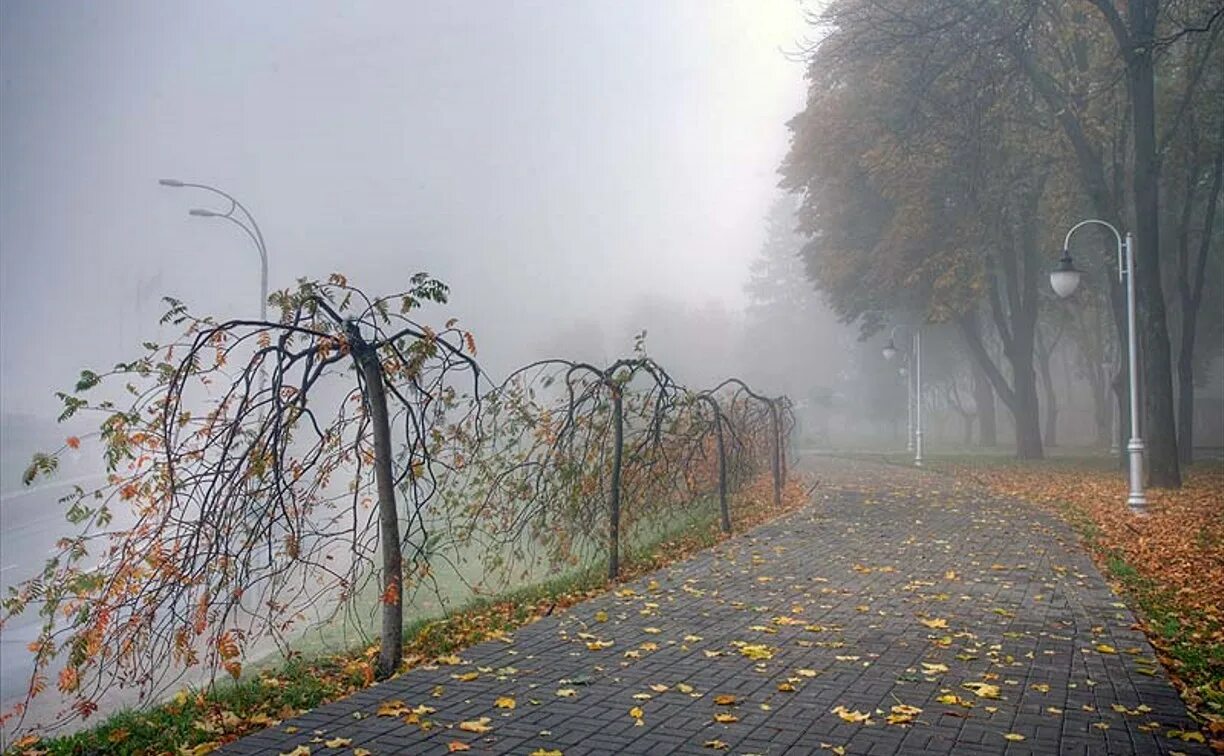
559,165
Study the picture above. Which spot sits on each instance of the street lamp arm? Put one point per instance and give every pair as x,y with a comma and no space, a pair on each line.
257,236
1122,267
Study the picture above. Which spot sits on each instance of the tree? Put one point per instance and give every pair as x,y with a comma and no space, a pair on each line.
255,502
924,178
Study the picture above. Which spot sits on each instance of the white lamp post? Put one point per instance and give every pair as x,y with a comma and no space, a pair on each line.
1064,280
889,352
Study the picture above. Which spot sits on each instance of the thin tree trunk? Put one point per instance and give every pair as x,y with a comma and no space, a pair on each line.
614,497
1047,384
391,647
1191,296
776,457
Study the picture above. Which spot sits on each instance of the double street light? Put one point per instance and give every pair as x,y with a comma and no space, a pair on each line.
913,389
1065,279
247,223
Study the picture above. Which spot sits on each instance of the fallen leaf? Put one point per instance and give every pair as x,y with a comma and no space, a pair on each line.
725,718
479,726
1013,736
457,745
725,699
716,744
982,690
851,716
338,742
903,714
504,702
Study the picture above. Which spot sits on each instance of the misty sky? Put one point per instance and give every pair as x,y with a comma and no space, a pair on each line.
555,162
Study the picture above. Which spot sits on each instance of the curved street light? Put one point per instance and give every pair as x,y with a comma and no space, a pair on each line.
1065,279
246,222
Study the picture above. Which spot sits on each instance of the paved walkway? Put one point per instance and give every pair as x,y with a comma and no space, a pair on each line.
893,589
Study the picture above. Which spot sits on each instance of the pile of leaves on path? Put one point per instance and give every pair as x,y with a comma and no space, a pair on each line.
1171,561
195,723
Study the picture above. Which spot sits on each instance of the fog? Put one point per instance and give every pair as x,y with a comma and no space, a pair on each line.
554,163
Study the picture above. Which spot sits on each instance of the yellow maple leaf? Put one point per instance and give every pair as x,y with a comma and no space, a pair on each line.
982,690
504,702
725,718
935,623
954,700
479,726
543,752
659,688
1105,648
724,699
716,744
755,651
903,714
392,708
566,692
467,676
1013,736
849,715
457,745
302,750
338,742
637,714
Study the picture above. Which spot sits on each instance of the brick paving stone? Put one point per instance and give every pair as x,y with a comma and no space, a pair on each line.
840,589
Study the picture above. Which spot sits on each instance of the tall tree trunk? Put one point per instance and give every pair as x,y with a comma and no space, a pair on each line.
1190,289
614,494
1185,390
391,646
1044,357
984,401
1027,416
1159,428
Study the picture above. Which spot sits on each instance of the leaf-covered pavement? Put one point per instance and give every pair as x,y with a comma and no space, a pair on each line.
901,612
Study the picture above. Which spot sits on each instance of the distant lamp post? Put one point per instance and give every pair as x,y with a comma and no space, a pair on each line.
890,352
247,223
1065,279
